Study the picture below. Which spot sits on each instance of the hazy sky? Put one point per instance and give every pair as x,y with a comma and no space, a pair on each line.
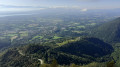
24,5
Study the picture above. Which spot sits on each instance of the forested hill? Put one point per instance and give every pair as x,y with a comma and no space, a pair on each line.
81,51
109,32
88,46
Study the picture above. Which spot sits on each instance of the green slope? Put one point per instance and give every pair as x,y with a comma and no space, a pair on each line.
109,32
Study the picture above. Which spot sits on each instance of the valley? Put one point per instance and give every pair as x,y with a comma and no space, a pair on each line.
37,28
79,39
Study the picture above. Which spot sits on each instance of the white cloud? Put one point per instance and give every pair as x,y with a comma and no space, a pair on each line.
85,9
59,7
67,7
20,9
70,7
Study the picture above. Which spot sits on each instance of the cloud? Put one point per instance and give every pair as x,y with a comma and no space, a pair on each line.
15,6
58,7
70,7
29,8
84,9
20,8
66,7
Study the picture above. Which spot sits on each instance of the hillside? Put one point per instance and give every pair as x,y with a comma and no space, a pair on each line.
88,46
109,32
83,51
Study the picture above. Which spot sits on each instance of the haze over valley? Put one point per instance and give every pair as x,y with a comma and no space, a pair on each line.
59,33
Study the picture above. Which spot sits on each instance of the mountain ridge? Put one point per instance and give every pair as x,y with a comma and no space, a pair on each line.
109,32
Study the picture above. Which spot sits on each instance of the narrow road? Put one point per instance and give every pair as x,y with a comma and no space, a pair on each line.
41,61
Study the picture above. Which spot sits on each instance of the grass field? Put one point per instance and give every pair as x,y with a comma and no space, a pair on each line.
81,26
56,37
11,35
37,37
78,31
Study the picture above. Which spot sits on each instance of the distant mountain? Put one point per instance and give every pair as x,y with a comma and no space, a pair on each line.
109,32
82,51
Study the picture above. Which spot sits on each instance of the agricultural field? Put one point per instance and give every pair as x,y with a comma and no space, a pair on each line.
41,29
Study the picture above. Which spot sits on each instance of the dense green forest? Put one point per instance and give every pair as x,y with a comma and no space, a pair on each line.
109,32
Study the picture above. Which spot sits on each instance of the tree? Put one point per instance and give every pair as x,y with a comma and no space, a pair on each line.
111,64
45,65
74,65
54,63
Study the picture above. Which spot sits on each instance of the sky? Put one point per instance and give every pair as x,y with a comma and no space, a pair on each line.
84,5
